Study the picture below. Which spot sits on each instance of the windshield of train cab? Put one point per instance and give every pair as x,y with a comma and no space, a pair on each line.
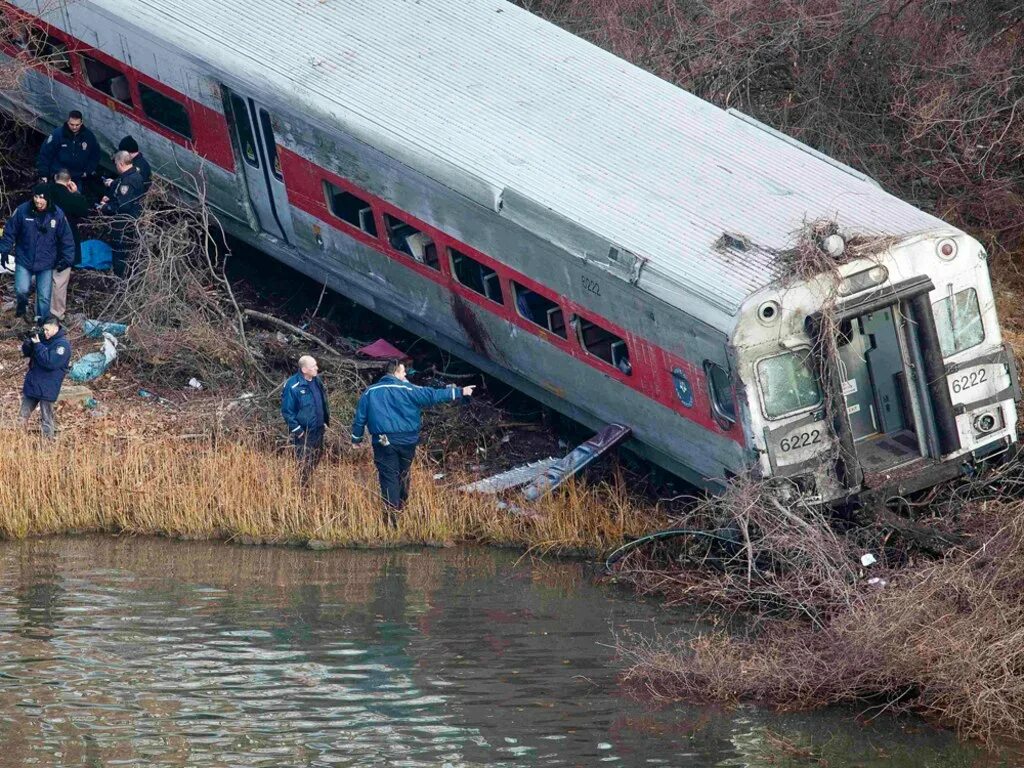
787,384
958,322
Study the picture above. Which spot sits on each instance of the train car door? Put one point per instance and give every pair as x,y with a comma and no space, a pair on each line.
268,196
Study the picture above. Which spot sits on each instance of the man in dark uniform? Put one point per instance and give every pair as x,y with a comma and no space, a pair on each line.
391,410
49,357
73,147
129,145
124,204
65,195
307,413
40,237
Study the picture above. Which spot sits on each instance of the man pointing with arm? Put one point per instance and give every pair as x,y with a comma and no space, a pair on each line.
390,410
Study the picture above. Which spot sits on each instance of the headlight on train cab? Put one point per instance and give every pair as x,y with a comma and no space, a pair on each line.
987,421
946,248
861,281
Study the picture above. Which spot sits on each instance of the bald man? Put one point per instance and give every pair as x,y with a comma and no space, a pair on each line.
306,412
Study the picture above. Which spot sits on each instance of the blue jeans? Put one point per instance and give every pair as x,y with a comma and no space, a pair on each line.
23,286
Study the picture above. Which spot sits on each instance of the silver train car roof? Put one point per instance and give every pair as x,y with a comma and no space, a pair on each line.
574,143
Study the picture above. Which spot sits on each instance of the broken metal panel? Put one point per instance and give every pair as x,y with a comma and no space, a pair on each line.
580,457
511,478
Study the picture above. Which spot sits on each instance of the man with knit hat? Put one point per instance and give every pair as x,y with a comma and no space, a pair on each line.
131,146
39,237
123,205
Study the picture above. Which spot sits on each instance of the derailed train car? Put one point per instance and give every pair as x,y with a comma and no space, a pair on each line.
593,235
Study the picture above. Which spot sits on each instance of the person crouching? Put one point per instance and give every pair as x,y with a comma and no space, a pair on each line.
49,357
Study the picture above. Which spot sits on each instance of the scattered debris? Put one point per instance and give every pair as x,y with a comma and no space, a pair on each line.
382,349
92,365
95,329
512,478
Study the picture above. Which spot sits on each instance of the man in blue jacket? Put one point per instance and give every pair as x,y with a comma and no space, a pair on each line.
306,411
40,237
391,410
49,357
71,146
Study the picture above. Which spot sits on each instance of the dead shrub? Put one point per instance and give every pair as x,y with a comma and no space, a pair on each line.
943,638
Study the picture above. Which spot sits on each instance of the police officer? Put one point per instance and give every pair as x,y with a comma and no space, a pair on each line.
131,146
391,410
306,411
39,235
71,146
124,203
49,357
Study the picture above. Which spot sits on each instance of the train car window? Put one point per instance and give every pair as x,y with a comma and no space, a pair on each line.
539,310
246,139
351,209
958,321
476,276
48,50
604,344
271,144
720,388
407,239
787,384
107,79
165,111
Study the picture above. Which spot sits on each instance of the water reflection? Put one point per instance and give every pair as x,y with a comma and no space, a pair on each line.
148,652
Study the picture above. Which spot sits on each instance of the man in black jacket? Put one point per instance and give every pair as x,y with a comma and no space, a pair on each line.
131,146
65,195
124,206
49,357
71,146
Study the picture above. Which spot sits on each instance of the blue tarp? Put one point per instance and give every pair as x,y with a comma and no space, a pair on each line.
95,255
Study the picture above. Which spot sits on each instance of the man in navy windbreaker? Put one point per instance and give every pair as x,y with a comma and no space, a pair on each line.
71,146
40,237
391,410
49,357
306,411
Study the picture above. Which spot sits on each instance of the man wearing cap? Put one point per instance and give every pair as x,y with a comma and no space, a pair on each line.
131,146
49,357
71,146
39,236
124,204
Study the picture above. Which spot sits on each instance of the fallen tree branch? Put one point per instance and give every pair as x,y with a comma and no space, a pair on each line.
345,356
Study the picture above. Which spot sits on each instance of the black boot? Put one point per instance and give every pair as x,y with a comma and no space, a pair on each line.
22,306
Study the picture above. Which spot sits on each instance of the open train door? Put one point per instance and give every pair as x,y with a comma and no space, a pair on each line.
254,131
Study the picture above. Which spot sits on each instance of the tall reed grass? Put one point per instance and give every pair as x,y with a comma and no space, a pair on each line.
230,490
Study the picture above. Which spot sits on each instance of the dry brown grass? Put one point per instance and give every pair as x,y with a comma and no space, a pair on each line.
179,488
943,638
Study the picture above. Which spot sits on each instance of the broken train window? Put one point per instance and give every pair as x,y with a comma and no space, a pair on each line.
787,384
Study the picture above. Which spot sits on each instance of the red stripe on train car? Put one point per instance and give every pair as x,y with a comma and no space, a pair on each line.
210,137
653,366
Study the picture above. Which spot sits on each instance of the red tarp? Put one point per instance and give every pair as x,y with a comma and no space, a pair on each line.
381,350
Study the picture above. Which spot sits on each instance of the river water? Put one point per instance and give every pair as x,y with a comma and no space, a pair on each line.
139,652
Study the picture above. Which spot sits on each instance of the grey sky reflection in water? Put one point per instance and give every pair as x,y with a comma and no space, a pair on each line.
156,653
